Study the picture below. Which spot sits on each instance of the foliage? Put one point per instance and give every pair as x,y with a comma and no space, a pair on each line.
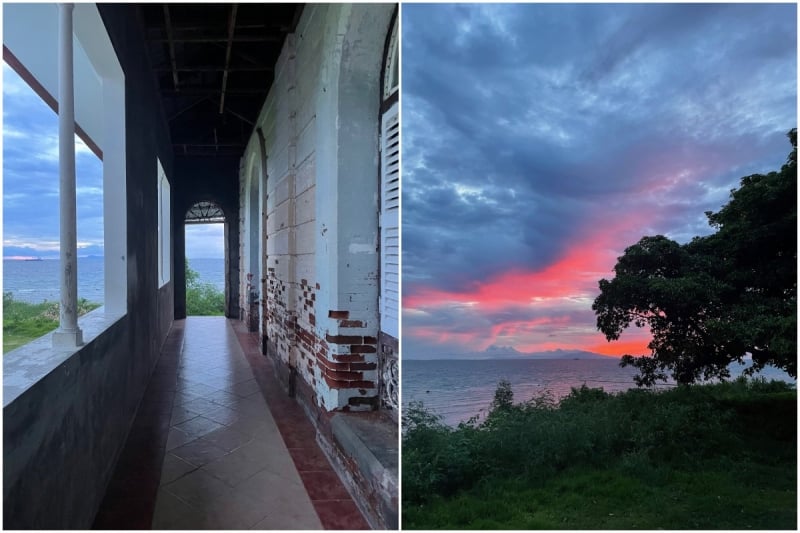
714,300
542,465
24,322
503,396
202,299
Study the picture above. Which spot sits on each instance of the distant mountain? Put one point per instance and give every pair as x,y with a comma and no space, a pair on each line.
497,351
30,251
508,352
563,354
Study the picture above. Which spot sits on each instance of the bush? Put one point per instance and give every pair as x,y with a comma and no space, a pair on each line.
685,428
202,299
24,322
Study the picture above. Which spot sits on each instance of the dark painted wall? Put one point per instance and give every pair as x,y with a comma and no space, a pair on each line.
63,436
214,179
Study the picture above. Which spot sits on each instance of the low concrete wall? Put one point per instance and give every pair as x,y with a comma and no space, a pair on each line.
61,437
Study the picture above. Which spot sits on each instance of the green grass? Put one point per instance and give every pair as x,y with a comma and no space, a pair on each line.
24,322
710,457
586,498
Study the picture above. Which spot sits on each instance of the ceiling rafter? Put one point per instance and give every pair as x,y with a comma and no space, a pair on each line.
168,27
231,30
214,68
210,40
214,65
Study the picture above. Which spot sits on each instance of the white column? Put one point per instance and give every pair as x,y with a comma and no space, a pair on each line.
68,334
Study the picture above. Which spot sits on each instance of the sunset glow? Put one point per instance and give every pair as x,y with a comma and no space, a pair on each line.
528,168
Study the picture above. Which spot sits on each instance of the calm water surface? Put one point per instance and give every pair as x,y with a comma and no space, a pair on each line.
36,281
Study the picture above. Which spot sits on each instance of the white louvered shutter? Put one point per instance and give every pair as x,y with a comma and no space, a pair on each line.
390,222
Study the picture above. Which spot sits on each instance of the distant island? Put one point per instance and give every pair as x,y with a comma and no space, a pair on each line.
45,258
509,352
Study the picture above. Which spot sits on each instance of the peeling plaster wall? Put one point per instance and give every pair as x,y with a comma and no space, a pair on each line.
320,124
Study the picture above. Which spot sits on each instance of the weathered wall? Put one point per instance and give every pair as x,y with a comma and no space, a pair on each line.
320,126
62,436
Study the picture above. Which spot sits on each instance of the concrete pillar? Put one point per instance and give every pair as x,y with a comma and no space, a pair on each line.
68,335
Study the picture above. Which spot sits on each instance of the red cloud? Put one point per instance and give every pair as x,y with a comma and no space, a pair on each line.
574,275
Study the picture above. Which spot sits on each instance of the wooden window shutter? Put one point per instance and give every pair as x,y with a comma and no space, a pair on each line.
390,222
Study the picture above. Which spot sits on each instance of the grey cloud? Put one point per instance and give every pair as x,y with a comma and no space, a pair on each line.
572,109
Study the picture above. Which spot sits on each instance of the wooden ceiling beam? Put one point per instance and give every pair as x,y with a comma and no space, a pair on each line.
168,27
212,40
231,30
212,68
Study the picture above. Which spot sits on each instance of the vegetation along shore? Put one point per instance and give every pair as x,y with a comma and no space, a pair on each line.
24,322
719,456
708,456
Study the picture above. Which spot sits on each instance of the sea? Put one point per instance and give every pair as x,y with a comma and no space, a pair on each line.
37,281
460,389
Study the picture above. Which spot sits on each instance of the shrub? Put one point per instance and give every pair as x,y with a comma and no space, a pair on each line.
684,428
202,299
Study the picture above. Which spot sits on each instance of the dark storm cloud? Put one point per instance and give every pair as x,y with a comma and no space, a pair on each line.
523,125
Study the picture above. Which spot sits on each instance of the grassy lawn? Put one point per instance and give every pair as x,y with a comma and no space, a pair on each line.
706,457
24,322
762,497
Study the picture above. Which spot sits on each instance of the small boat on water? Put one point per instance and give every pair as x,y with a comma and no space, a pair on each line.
32,259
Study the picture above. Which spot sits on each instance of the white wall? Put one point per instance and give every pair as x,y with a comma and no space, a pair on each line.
320,123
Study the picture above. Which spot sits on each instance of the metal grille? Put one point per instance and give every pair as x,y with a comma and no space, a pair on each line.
205,213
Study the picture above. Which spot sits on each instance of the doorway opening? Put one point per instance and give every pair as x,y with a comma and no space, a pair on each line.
205,268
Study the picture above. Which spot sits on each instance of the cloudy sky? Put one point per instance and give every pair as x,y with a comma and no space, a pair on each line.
30,178
30,184
541,140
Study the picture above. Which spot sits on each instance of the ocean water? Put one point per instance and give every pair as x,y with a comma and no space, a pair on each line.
460,389
36,281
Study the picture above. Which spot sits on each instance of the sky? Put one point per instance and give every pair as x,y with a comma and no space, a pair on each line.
30,178
539,141
30,184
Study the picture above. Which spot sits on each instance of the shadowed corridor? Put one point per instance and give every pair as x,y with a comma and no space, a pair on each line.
217,444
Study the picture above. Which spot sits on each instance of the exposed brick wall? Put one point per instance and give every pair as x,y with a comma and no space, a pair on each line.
319,300
388,354
307,341
280,321
350,365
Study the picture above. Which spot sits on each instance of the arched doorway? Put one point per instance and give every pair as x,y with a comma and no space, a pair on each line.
253,249
205,279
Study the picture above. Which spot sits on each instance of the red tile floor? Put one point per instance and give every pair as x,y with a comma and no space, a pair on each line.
217,444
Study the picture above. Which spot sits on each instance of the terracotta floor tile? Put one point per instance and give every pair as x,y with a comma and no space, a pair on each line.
309,459
324,485
340,514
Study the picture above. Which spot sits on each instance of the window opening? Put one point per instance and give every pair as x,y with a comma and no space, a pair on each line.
31,216
164,227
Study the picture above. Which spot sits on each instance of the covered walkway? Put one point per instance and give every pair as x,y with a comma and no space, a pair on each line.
216,444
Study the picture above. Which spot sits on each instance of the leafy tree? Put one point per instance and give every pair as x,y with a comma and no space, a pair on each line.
503,396
712,301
